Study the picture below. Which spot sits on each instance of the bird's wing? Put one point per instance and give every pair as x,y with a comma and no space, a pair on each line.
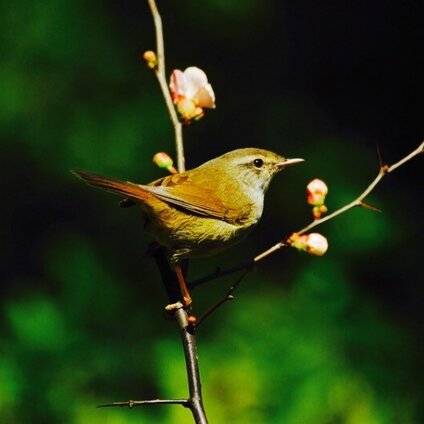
176,190
194,199
180,191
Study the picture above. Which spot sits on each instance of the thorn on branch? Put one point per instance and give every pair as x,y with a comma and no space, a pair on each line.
368,206
380,157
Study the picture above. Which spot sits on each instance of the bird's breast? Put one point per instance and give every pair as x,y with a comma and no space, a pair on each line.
189,235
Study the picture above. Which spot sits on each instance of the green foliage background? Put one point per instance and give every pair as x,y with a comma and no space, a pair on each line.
337,339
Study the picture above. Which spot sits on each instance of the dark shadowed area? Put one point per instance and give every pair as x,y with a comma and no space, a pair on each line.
330,340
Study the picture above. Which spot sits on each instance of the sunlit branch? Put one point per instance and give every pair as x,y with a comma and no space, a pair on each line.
359,201
161,76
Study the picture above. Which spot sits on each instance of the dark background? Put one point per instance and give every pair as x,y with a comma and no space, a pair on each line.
337,339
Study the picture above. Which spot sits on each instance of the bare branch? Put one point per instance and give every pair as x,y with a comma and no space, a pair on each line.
228,296
131,403
269,251
417,151
187,337
195,402
384,169
220,273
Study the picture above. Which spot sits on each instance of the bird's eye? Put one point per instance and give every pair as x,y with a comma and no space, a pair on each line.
258,163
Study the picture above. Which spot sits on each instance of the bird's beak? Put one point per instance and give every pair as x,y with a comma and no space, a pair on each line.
288,162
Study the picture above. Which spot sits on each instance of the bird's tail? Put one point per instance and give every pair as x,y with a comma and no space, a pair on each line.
124,188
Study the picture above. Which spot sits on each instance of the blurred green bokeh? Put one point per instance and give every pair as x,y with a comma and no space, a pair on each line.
337,339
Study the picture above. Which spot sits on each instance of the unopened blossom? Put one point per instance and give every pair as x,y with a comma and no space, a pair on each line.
316,191
164,161
191,92
314,243
150,58
319,211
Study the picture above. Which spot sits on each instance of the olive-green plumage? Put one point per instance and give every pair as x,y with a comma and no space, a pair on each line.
206,209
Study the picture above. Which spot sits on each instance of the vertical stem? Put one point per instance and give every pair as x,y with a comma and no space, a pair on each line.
178,128
195,402
161,76
192,365
188,339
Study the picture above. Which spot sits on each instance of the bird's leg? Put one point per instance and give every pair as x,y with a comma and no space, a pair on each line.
187,302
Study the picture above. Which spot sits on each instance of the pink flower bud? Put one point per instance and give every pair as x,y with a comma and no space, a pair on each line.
192,87
317,244
150,59
316,191
162,160
314,243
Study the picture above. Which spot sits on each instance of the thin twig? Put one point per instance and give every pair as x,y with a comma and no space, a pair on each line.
228,296
161,76
379,156
384,169
220,273
132,403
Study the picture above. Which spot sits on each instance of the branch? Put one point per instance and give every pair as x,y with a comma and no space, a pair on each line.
132,403
194,402
359,201
161,76
228,296
219,273
187,337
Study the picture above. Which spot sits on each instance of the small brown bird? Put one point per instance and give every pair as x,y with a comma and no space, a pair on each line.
206,209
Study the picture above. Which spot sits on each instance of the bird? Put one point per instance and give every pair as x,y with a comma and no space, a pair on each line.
204,210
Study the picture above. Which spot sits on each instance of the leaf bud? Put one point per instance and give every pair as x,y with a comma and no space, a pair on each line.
150,58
